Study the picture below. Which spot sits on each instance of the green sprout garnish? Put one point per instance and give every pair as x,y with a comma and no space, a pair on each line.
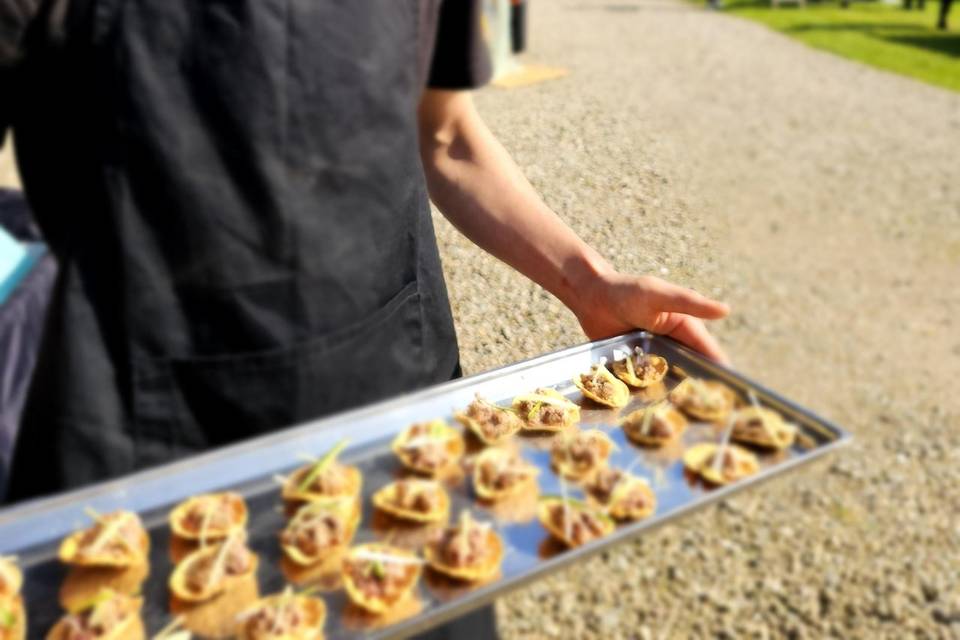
172,631
377,569
308,591
438,429
534,410
647,421
322,465
94,601
7,618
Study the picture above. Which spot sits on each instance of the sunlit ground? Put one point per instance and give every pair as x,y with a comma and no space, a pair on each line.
881,35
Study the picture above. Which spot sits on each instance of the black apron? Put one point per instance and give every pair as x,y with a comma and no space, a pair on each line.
234,193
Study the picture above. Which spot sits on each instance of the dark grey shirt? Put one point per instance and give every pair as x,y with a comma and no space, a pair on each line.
233,192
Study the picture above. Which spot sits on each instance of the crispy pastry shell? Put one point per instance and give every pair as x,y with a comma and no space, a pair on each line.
683,393
379,605
131,628
238,517
69,552
621,393
633,425
629,376
486,492
12,577
384,500
178,579
776,434
454,445
571,414
313,609
298,557
567,469
620,511
292,493
475,573
83,583
543,514
698,460
515,424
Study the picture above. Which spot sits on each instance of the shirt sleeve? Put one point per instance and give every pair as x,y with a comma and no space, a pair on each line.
15,17
460,56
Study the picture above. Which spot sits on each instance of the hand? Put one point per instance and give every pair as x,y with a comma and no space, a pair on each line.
614,303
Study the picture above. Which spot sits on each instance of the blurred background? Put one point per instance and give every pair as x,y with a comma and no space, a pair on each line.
799,162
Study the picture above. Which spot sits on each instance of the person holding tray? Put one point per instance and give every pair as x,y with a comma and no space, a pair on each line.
237,195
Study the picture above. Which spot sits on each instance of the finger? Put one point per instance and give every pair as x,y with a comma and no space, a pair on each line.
673,298
693,333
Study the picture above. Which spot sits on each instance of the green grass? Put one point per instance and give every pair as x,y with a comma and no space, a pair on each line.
880,35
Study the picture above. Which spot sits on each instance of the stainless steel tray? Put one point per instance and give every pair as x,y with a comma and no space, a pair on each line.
33,531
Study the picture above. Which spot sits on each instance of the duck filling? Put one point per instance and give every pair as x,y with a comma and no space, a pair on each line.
115,535
644,367
503,473
754,427
731,466
580,526
415,496
704,398
465,548
211,513
279,619
232,560
611,485
604,483
429,451
598,384
331,481
379,579
314,533
583,453
657,426
97,621
493,420
541,412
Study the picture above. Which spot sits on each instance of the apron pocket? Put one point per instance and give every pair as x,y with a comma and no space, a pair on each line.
215,400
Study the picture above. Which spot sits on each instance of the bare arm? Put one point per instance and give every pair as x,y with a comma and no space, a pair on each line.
479,188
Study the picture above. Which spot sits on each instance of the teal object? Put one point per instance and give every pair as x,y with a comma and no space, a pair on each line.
16,261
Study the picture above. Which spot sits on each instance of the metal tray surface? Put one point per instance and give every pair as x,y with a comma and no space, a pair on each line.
33,531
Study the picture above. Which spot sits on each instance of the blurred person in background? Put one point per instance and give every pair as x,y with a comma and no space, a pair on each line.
944,14
237,195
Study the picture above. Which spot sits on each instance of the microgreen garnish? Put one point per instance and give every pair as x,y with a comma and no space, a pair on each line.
322,465
7,618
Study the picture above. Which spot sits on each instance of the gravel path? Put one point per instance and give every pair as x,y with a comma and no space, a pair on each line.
821,199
